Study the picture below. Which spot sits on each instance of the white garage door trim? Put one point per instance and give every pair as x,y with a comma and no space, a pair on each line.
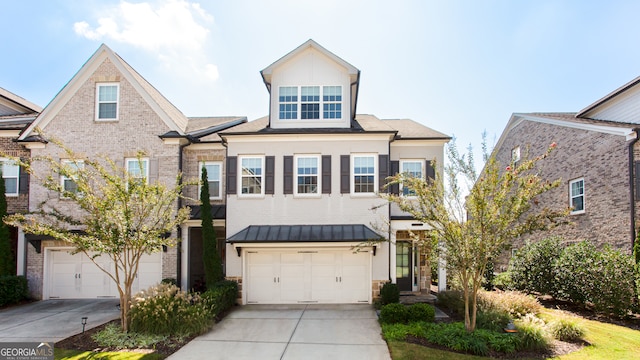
99,284
308,275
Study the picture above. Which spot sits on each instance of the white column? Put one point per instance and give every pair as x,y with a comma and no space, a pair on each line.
442,271
184,256
21,253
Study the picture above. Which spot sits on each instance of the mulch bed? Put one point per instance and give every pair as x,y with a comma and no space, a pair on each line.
85,342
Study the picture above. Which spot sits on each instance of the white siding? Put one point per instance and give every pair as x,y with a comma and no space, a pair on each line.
624,107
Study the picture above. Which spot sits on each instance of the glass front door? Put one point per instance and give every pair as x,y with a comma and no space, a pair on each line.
403,265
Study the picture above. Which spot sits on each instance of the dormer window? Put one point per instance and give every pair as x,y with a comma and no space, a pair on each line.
314,102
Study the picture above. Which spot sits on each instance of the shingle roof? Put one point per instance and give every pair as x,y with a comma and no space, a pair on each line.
572,117
409,129
305,233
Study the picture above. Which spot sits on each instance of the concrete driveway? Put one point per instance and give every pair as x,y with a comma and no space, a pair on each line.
54,320
289,332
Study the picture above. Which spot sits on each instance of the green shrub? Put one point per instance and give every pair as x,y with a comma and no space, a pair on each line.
532,333
514,303
502,281
13,289
394,313
166,310
614,290
532,268
170,281
494,320
573,272
389,294
421,312
112,336
221,297
567,329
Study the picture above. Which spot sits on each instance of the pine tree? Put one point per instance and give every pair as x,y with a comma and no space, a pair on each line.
212,263
7,263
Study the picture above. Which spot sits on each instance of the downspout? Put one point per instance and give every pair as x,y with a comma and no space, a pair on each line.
632,202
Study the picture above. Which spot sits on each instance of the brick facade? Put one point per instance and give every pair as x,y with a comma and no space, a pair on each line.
20,203
600,158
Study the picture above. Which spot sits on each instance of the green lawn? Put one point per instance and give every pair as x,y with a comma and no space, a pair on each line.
608,342
124,355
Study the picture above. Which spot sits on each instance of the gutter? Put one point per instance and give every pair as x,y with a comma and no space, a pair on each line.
632,201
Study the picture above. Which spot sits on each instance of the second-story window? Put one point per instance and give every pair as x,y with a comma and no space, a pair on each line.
138,168
307,170
332,102
214,178
68,183
411,168
10,174
364,174
576,196
107,101
252,175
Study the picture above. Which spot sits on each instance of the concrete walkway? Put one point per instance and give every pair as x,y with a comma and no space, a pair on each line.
54,320
287,332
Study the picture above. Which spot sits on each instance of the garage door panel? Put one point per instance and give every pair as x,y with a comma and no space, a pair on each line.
260,278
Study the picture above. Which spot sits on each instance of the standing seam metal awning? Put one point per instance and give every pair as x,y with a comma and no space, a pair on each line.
305,233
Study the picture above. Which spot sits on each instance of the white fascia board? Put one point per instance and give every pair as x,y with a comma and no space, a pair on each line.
414,143
306,137
612,130
9,133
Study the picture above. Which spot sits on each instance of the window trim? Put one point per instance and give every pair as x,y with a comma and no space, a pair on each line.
98,102
242,176
421,162
63,178
207,163
298,103
135,159
571,197
318,175
352,180
17,177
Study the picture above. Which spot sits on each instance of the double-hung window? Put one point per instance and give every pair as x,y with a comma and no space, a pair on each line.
412,168
332,102
68,183
214,178
138,168
515,154
363,174
314,102
307,175
576,196
252,175
10,175
288,98
107,96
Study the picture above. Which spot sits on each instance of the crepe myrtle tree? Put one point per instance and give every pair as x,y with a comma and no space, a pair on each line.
116,214
475,217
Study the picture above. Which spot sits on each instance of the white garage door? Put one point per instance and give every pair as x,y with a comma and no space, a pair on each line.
322,276
77,277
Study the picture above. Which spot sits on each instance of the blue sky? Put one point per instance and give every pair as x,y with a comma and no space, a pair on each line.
460,67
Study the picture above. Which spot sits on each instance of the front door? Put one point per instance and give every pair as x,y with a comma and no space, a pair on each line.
196,261
403,265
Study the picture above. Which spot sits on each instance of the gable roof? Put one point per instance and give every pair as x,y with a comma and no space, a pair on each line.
354,73
170,115
12,104
589,110
411,130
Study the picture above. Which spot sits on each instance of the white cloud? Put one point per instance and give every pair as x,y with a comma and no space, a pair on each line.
174,30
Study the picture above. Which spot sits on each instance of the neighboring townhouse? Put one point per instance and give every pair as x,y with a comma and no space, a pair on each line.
16,114
109,109
598,159
304,219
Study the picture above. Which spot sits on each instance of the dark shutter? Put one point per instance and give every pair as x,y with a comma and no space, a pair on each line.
23,185
345,174
153,170
395,170
232,175
269,164
429,170
287,179
383,171
637,165
326,174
